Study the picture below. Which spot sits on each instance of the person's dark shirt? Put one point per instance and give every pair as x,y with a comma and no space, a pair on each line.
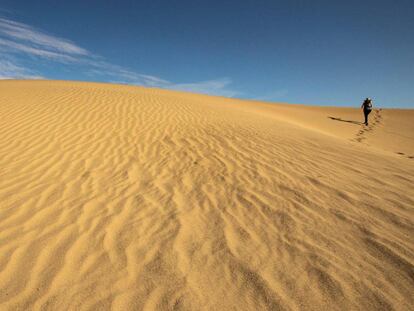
367,104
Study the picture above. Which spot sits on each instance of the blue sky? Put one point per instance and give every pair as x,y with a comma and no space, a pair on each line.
312,52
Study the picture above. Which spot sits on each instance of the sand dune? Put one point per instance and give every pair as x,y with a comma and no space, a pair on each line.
127,198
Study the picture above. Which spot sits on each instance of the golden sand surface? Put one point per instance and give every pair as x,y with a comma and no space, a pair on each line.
128,198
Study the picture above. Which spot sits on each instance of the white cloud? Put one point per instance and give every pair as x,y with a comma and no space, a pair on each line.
117,73
10,46
29,34
21,39
274,95
210,87
9,70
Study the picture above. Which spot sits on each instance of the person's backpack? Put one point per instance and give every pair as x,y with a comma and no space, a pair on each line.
368,105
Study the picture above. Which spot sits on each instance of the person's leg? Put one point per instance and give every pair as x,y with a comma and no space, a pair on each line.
366,112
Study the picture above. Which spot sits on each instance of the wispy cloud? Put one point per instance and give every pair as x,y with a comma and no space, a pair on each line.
25,33
274,95
24,40
210,87
8,70
10,46
117,74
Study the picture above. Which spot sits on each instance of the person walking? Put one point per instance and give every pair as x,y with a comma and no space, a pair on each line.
367,108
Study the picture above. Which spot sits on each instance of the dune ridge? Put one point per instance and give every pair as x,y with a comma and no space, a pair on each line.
128,198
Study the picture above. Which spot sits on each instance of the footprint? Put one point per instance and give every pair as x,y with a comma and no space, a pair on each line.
360,136
359,139
403,154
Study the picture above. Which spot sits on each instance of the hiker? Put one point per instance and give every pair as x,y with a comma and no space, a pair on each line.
367,107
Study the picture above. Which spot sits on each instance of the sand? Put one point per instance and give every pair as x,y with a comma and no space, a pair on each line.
129,198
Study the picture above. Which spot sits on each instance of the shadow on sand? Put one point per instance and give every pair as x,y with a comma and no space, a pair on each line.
348,121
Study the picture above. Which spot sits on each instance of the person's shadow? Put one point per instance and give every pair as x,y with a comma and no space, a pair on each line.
348,121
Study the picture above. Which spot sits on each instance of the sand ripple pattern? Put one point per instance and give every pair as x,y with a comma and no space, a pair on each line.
126,198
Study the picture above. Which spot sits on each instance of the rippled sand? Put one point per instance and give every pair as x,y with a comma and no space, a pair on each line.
126,198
